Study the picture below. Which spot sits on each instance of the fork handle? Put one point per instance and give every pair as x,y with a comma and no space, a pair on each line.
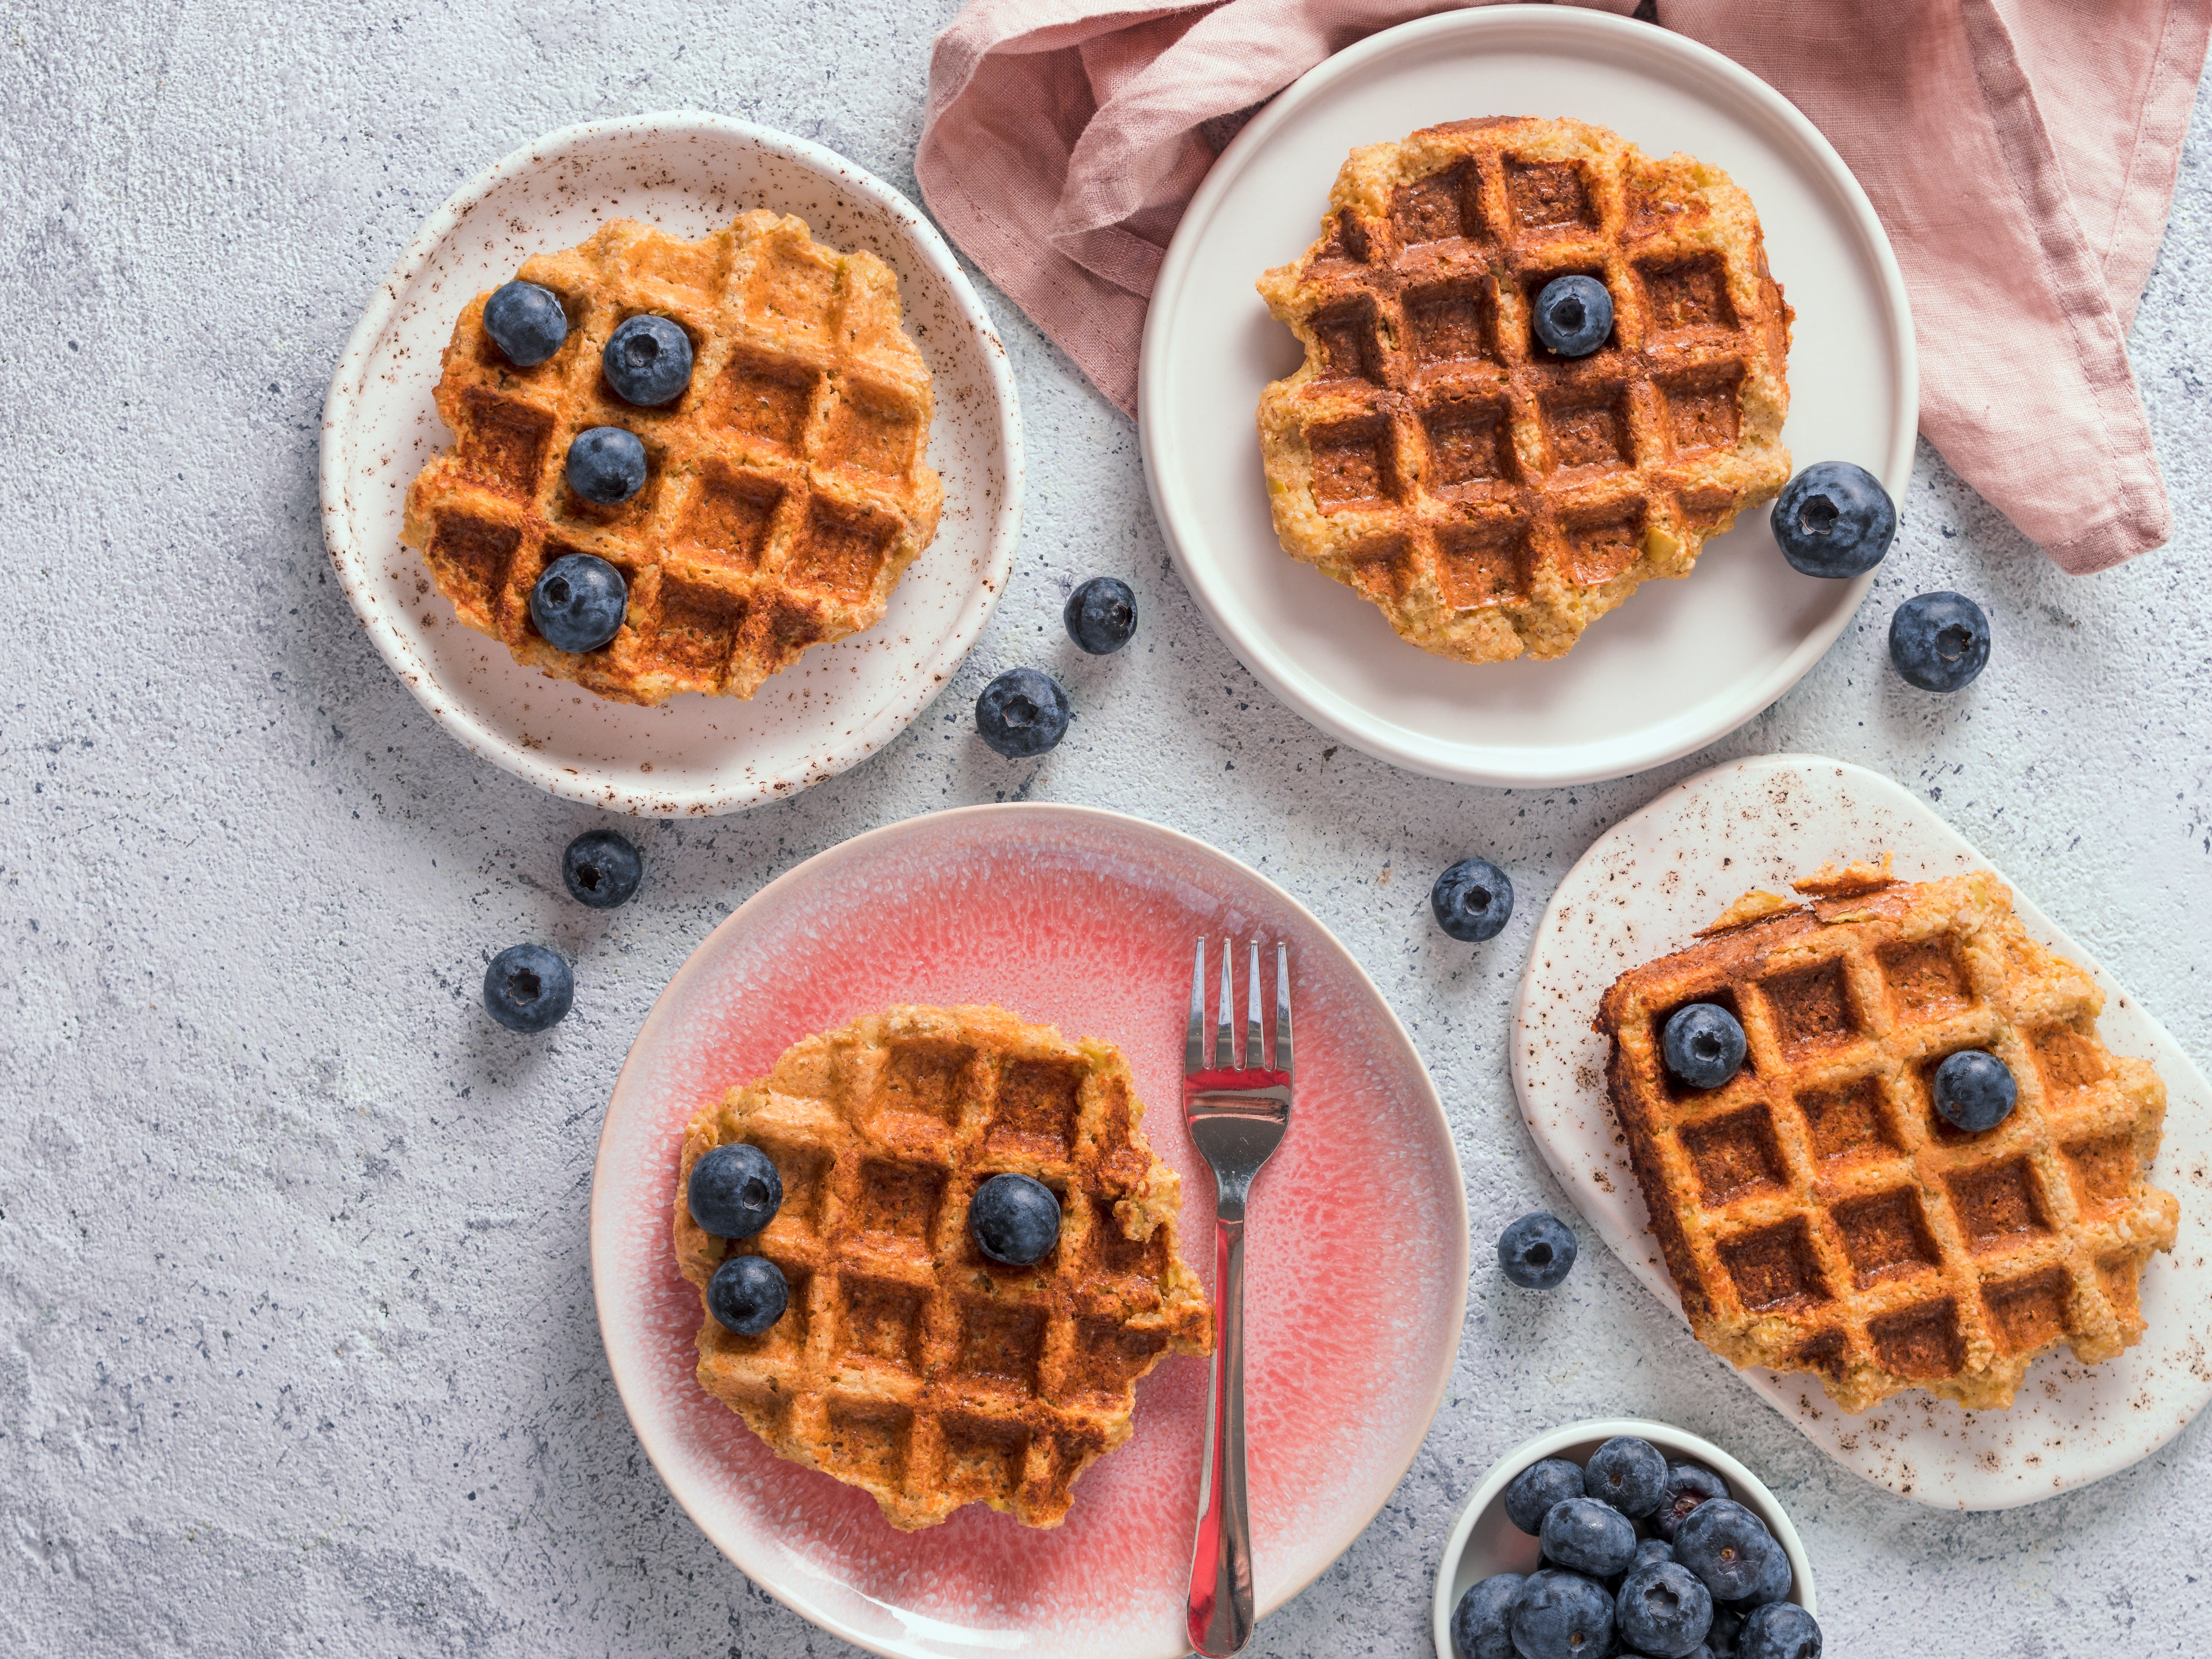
1220,1606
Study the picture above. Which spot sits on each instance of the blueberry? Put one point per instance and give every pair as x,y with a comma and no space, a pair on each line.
747,1295
1022,713
1478,1623
1531,1494
600,868
1834,519
1772,1583
1101,615
1536,1252
1014,1219
1663,1610
1687,1485
734,1190
648,360
528,989
1939,641
1727,1628
1590,1537
525,322
605,465
1975,1091
1561,1616
1573,315
1629,1473
1651,1550
1780,1630
1472,900
1728,1547
579,603
1704,1044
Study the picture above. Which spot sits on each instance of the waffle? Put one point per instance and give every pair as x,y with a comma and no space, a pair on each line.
909,1364
1492,497
785,491
1818,1216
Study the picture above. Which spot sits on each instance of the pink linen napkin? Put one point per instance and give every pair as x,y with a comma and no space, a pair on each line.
2021,153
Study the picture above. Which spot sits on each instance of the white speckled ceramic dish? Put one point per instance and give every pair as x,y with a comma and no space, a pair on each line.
1086,919
1639,892
1483,1541
1681,662
688,172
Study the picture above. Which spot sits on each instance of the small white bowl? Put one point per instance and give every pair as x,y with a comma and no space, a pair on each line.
1483,1541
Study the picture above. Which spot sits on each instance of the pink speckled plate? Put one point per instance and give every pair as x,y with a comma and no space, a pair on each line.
1358,1251
1640,891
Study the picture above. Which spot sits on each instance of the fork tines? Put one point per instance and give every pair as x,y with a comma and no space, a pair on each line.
1227,1055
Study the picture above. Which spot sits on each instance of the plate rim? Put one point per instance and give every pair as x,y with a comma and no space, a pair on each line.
458,715
1519,766
603,1271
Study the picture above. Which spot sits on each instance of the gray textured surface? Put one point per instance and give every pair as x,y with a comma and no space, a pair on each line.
299,1353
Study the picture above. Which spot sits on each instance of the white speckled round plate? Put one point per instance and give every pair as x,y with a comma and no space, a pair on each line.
1084,920
687,173
1640,891
1681,662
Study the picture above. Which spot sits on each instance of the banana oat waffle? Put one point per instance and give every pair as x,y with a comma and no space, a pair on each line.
1491,497
1815,1212
786,489
909,1364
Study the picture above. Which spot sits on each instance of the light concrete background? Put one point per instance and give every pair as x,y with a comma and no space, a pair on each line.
300,1355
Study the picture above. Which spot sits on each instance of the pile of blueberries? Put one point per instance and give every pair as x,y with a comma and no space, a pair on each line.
528,987
1707,1581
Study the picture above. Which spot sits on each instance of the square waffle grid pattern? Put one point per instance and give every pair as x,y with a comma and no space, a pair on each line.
1816,1213
786,489
907,1363
1489,496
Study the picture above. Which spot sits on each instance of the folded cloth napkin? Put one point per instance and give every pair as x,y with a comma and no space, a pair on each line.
2021,153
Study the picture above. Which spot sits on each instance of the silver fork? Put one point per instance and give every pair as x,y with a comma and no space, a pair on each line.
1237,1109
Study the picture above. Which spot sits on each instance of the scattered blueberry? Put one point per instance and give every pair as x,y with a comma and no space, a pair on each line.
525,322
579,602
1589,1537
1780,1630
1562,1615
600,868
1834,519
1650,1550
1939,641
1536,1252
528,989
1573,315
1531,1494
1728,1547
1663,1611
747,1294
1014,1219
1472,900
648,360
1975,1091
605,465
1704,1044
1629,1473
1022,713
1688,1485
1101,615
734,1190
1480,1624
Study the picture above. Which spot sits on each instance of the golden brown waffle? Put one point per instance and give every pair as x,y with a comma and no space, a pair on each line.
909,1364
1815,1213
785,491
1490,496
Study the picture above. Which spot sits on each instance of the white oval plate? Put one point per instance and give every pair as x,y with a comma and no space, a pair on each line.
687,173
1639,892
1682,662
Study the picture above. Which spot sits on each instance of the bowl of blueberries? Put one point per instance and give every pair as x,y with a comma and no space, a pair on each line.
1620,1539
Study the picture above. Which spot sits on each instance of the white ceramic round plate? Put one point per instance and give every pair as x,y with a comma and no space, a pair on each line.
688,173
1681,662
1086,919
1640,891
1484,1540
